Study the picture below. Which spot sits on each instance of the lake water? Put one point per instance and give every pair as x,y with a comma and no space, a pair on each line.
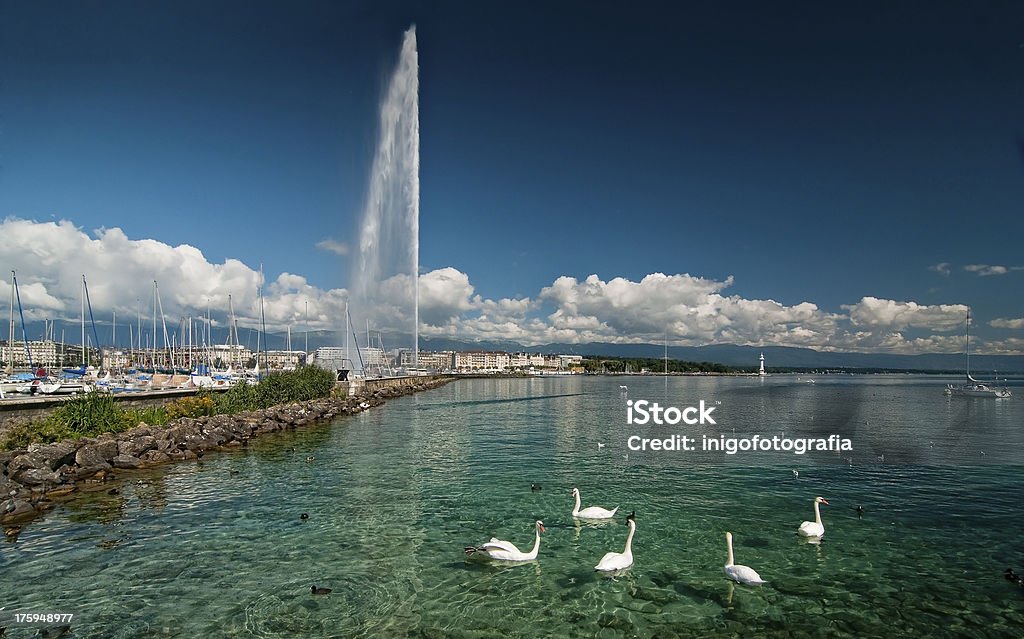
217,548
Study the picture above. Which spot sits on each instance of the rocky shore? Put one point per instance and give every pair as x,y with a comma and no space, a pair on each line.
33,478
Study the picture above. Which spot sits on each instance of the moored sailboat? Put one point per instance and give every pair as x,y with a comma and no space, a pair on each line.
973,387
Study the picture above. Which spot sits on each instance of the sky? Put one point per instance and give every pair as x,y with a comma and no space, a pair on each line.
840,176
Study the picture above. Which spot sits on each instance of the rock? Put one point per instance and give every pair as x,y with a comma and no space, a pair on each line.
91,455
126,461
37,477
92,471
156,457
60,492
136,446
11,508
7,486
107,448
26,461
56,455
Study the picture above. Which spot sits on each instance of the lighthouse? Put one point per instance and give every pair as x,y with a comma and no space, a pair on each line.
761,372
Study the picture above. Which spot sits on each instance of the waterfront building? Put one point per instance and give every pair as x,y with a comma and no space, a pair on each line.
286,360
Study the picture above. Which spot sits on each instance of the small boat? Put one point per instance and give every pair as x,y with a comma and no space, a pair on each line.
973,387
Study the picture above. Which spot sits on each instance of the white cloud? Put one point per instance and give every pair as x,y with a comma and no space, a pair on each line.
333,246
985,270
942,268
51,257
692,310
890,314
1003,322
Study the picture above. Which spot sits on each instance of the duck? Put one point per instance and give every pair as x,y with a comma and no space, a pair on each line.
593,512
620,560
535,488
506,550
1011,576
739,574
12,531
319,591
814,528
304,516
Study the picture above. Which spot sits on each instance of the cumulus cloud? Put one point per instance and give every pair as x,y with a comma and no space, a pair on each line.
333,246
1003,322
942,268
51,258
688,309
890,314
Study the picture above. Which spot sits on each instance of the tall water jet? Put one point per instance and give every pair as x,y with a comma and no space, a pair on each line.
386,274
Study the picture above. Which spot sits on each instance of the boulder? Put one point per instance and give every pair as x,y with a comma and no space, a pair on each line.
91,455
56,455
107,448
136,446
11,508
7,486
126,461
92,471
156,457
37,477
26,461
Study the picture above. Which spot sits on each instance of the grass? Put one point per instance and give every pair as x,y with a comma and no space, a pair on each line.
96,413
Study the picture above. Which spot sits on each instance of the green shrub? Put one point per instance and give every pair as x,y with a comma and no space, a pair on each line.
195,406
94,413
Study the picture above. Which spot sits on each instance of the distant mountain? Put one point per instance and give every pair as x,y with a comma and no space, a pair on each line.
730,355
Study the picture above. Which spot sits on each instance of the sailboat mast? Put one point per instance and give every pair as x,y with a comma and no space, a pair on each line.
969,344
10,338
83,319
154,326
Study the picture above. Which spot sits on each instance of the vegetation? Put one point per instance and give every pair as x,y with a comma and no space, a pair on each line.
651,364
95,413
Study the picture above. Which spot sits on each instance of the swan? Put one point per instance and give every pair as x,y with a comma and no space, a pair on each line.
506,550
814,528
740,574
594,512
624,559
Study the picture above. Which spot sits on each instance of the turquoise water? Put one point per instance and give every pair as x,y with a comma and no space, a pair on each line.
217,548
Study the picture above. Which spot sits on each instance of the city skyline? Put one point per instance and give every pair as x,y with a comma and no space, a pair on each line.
833,178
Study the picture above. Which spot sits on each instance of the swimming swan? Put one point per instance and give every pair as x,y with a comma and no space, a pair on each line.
506,550
740,574
620,560
593,512
814,528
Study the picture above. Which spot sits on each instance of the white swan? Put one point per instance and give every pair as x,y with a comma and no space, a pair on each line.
620,560
814,528
740,574
593,512
506,550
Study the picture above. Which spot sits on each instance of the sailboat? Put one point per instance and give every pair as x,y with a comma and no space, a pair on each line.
973,387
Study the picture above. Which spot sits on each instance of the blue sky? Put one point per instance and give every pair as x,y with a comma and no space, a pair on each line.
813,153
